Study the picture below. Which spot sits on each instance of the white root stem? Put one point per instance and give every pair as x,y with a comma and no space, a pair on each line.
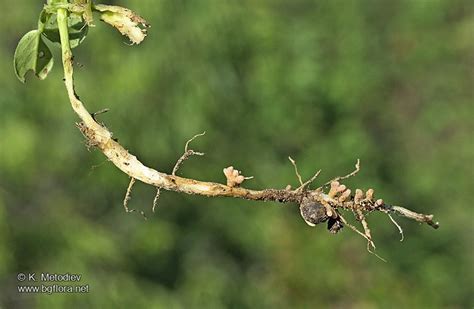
100,137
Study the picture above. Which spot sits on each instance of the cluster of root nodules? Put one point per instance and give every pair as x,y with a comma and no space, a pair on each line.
325,204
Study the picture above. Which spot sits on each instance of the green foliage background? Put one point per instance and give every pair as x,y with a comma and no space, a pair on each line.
389,82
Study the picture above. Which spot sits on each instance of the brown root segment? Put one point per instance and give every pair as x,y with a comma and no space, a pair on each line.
415,216
130,165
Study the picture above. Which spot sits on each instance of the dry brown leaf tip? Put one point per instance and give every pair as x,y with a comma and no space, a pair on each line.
124,20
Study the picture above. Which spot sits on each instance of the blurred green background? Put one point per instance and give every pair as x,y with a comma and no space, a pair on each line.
327,82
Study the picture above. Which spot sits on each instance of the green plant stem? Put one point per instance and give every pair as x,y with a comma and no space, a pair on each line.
67,60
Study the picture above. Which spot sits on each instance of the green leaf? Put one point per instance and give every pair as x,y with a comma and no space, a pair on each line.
77,27
32,54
